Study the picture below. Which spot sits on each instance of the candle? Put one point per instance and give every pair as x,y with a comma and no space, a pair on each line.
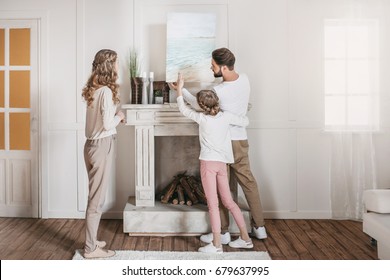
151,75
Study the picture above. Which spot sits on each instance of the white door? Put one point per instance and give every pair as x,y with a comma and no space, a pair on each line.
19,118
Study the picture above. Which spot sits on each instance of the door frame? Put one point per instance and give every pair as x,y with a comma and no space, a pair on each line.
41,19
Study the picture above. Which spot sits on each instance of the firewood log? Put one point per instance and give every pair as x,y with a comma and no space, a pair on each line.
180,194
197,188
188,191
170,190
175,199
189,202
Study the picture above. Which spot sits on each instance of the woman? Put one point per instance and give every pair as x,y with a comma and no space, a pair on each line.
102,97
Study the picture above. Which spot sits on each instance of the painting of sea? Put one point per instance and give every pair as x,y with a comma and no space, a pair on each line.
191,38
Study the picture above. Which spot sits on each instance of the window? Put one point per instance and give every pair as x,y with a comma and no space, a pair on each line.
351,75
15,88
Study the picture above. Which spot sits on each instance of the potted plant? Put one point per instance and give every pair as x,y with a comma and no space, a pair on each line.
135,80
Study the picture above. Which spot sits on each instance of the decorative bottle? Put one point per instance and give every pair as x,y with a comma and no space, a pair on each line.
151,78
144,89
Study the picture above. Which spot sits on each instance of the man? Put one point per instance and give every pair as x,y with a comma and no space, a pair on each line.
233,93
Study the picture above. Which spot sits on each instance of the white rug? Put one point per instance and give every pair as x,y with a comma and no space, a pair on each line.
169,255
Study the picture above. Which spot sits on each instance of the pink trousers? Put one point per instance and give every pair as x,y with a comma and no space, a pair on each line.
215,181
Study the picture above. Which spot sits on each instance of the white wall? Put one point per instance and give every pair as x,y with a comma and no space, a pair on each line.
277,43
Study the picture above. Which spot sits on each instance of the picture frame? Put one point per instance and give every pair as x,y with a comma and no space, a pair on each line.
160,92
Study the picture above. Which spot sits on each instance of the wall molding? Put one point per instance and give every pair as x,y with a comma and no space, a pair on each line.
82,181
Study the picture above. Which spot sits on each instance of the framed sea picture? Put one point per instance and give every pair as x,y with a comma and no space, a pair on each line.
191,38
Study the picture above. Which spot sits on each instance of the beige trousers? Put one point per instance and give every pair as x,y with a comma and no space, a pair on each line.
241,170
98,156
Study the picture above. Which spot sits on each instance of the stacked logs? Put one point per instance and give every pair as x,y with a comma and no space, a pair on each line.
183,190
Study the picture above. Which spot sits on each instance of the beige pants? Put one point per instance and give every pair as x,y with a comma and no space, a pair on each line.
241,170
98,156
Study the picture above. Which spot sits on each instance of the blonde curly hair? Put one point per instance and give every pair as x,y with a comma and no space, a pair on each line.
104,73
208,102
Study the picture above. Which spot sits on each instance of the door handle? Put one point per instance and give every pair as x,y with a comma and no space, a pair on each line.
34,124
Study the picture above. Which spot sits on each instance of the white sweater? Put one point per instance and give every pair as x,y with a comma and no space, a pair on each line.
101,119
233,97
214,132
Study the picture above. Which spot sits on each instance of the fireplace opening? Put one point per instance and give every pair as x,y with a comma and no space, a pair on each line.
175,155
177,177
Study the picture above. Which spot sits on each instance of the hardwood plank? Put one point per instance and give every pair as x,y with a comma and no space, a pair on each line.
14,230
72,241
193,243
358,225
167,243
23,243
19,237
29,239
129,242
258,245
356,228
293,240
155,243
281,242
142,243
317,238
179,243
53,232
331,241
342,241
270,242
57,247
5,223
119,237
107,231
360,248
301,235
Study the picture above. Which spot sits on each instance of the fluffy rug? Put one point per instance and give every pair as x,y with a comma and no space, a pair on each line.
169,255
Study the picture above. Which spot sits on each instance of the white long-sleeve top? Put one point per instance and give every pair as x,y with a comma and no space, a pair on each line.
101,119
214,132
233,97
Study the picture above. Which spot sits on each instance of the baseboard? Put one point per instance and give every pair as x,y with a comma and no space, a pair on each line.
297,215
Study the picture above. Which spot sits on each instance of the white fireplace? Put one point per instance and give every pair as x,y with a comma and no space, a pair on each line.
143,215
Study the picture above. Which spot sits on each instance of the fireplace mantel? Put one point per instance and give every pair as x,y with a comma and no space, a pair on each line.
166,115
150,121
143,215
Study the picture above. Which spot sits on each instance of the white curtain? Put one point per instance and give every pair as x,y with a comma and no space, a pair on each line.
352,171
351,86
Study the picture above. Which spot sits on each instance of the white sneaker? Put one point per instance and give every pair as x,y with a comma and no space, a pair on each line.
210,248
208,238
240,243
259,232
101,244
99,253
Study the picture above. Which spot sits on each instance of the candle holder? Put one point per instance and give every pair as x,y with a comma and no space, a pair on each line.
151,93
144,90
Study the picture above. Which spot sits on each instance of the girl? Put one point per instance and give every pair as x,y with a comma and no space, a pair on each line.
216,152
102,97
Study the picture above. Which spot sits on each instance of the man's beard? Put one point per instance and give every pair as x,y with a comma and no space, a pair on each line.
218,74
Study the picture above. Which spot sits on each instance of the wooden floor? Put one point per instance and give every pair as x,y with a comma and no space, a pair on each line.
43,239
